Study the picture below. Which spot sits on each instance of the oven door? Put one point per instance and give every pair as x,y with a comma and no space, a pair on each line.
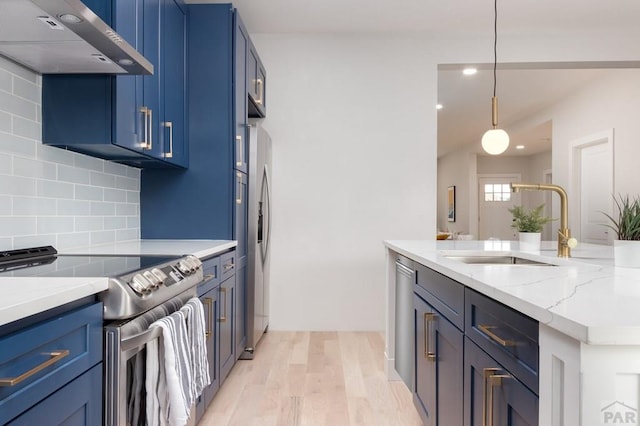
125,363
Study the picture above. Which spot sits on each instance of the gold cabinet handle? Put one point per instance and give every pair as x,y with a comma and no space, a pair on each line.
486,329
239,151
223,317
428,318
145,120
208,302
228,266
239,196
259,90
55,357
490,381
169,125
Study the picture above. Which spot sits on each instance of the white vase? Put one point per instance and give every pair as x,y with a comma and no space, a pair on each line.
530,241
626,253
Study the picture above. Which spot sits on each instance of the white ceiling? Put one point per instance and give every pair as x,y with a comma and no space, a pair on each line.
467,101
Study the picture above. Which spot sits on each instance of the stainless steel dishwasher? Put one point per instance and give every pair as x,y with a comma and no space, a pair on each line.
404,331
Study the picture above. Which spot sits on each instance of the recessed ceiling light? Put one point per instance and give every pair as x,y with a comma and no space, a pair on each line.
469,71
519,146
438,106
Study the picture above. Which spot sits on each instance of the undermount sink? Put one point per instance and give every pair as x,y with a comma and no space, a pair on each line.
497,260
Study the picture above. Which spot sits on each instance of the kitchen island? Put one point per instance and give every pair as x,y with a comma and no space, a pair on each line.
585,308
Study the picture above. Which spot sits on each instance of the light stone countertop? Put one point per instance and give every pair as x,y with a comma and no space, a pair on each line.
21,297
584,297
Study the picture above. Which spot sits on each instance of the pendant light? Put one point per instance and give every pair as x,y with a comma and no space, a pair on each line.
495,141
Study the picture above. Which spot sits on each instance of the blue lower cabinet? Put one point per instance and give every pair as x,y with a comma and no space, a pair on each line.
226,320
438,378
493,396
77,403
211,305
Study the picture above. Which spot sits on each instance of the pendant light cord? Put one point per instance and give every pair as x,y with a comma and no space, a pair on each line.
495,43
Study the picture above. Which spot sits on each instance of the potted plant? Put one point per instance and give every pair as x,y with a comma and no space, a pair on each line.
626,225
529,224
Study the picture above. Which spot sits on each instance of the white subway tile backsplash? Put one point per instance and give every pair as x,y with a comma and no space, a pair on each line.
103,179
89,223
73,240
17,225
91,193
6,81
103,209
51,196
5,205
5,122
123,209
116,222
102,237
54,224
27,90
33,206
14,144
33,168
115,195
17,106
15,185
53,189
73,174
74,208
29,129
6,164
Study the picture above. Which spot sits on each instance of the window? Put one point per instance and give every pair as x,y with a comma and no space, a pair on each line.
497,192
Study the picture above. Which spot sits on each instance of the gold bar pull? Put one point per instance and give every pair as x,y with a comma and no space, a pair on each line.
145,141
486,329
169,125
208,302
228,266
55,357
487,409
239,196
428,318
259,90
239,151
150,129
223,317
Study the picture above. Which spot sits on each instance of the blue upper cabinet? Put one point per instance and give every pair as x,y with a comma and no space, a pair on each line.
135,120
241,44
256,84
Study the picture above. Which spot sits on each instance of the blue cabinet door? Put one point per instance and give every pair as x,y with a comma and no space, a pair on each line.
211,313
227,295
492,395
173,63
256,83
438,378
241,41
78,403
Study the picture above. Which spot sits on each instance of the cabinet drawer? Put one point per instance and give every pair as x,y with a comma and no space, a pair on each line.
38,360
78,403
507,335
211,269
443,293
228,265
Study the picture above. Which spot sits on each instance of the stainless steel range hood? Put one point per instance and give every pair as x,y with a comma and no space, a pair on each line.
64,37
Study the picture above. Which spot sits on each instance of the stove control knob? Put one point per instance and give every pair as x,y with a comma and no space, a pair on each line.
153,279
162,277
196,262
184,267
140,284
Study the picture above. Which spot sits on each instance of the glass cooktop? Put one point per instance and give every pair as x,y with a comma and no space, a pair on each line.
61,265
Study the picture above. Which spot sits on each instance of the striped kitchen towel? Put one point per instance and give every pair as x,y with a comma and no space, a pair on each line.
196,328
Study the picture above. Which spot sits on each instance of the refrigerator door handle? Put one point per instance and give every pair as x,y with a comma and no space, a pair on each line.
266,199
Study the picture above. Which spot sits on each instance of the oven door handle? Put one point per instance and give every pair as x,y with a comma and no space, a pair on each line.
140,339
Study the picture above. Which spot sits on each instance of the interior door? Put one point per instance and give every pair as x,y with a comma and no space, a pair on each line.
596,186
494,200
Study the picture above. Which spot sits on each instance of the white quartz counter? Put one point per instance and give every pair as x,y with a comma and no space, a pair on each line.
21,297
198,248
584,297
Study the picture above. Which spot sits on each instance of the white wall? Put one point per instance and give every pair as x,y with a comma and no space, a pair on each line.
49,195
355,157
352,166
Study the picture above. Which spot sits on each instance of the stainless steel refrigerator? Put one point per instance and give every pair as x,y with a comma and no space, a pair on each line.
258,236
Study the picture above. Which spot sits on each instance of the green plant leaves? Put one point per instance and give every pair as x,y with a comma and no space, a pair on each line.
627,224
529,221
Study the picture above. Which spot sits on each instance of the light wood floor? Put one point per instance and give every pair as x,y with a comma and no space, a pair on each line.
313,379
